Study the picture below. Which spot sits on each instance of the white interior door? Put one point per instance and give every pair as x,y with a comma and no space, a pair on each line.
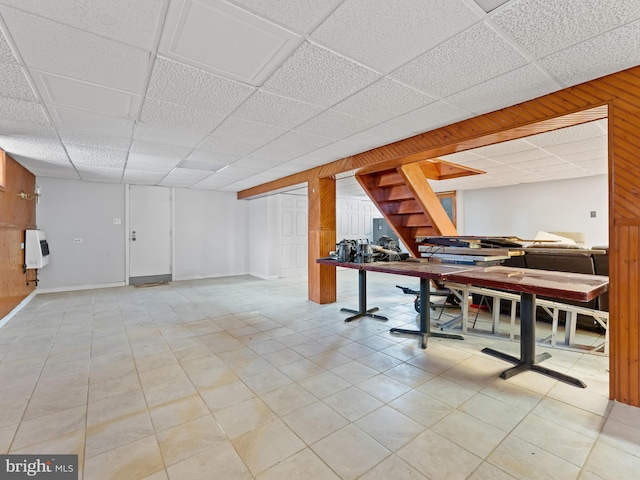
293,236
149,234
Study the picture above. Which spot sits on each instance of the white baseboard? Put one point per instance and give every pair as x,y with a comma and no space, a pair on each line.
212,275
17,308
74,288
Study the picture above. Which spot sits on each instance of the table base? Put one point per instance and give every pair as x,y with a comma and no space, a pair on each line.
367,313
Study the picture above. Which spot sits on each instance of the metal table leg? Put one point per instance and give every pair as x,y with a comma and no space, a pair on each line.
362,301
425,322
528,359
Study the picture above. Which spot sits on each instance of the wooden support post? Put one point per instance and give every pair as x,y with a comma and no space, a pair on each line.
322,239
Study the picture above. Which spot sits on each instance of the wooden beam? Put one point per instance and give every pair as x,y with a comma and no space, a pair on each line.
322,239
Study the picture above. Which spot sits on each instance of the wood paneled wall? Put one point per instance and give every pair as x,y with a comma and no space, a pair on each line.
322,238
616,96
16,215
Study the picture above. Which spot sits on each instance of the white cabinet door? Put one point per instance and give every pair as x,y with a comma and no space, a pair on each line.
293,236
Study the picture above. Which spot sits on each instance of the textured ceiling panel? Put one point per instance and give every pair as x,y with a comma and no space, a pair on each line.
566,135
385,34
515,87
382,101
218,160
198,89
600,155
68,92
474,56
240,136
162,134
6,55
142,177
55,48
263,107
167,114
201,32
97,140
578,146
128,21
73,119
100,174
301,15
42,149
429,117
333,124
151,163
159,149
96,157
504,148
610,52
376,136
22,112
291,145
546,26
14,84
316,75
184,177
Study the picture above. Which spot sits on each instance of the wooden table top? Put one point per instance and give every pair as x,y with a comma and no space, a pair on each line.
563,285
568,286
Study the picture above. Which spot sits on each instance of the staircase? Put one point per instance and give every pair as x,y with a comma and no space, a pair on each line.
407,201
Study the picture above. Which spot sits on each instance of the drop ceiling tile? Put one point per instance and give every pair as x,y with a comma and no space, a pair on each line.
519,157
96,157
263,107
179,137
22,112
257,162
151,163
383,100
301,15
592,165
287,168
138,177
472,57
14,84
435,115
514,87
132,22
6,55
83,120
334,125
239,137
569,134
597,154
159,149
597,57
198,32
43,149
55,48
490,5
101,175
165,114
537,163
376,136
327,154
42,168
585,145
546,26
504,148
201,160
316,75
185,85
68,92
97,140
292,144
461,157
183,177
26,131
385,34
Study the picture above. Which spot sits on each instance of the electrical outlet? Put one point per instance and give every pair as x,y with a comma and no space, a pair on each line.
77,240
117,221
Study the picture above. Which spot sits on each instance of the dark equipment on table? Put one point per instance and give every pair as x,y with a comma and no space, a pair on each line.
361,251
450,301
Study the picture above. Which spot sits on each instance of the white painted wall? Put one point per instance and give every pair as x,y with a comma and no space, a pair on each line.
70,209
263,237
211,234
523,210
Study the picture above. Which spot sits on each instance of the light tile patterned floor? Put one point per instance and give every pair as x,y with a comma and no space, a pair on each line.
240,378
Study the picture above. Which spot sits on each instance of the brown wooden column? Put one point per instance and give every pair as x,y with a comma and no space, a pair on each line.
624,251
322,239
